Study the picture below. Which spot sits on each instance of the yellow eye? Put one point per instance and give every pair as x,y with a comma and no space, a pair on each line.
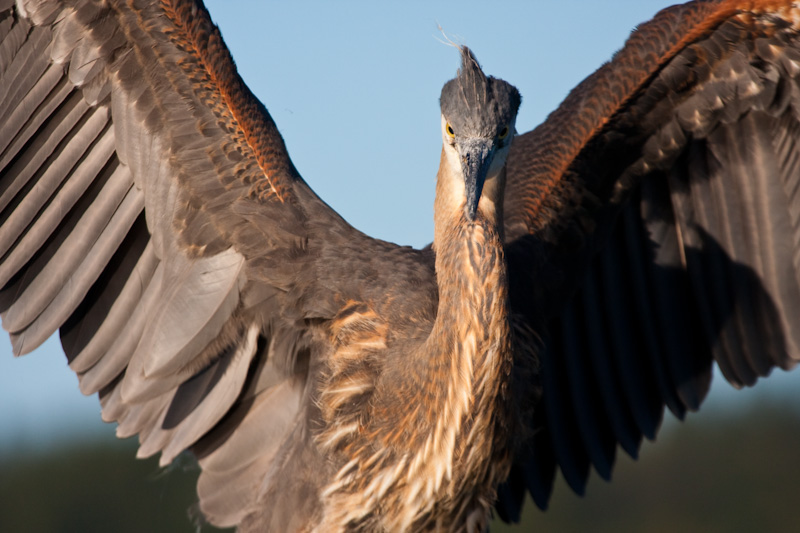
503,133
449,129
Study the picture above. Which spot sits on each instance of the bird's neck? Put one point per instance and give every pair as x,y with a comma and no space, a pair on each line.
469,349
470,259
471,333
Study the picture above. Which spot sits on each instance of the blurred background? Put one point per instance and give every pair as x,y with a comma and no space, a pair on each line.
354,88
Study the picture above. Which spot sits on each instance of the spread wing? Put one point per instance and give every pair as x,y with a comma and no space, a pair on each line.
149,210
666,188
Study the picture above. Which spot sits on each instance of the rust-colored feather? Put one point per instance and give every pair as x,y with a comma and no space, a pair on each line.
199,37
545,154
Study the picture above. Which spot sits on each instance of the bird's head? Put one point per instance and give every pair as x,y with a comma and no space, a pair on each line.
478,117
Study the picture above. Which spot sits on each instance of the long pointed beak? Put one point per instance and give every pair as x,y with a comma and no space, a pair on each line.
476,158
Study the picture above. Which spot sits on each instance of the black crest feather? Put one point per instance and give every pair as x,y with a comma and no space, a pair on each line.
475,104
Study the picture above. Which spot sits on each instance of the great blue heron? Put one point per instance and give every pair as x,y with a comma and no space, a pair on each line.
575,464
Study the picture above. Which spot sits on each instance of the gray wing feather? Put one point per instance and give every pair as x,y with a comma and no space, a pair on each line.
215,400
24,70
65,158
65,291
17,138
40,13
249,453
114,361
195,301
253,440
60,205
13,33
161,226
19,115
224,495
133,419
86,346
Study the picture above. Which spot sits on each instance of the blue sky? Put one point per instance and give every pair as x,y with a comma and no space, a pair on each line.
354,88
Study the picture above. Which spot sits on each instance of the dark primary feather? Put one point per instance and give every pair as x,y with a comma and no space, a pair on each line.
694,125
150,212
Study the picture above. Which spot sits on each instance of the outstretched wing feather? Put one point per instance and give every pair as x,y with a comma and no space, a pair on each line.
670,201
150,211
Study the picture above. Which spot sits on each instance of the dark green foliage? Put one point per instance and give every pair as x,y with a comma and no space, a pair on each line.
96,487
715,472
